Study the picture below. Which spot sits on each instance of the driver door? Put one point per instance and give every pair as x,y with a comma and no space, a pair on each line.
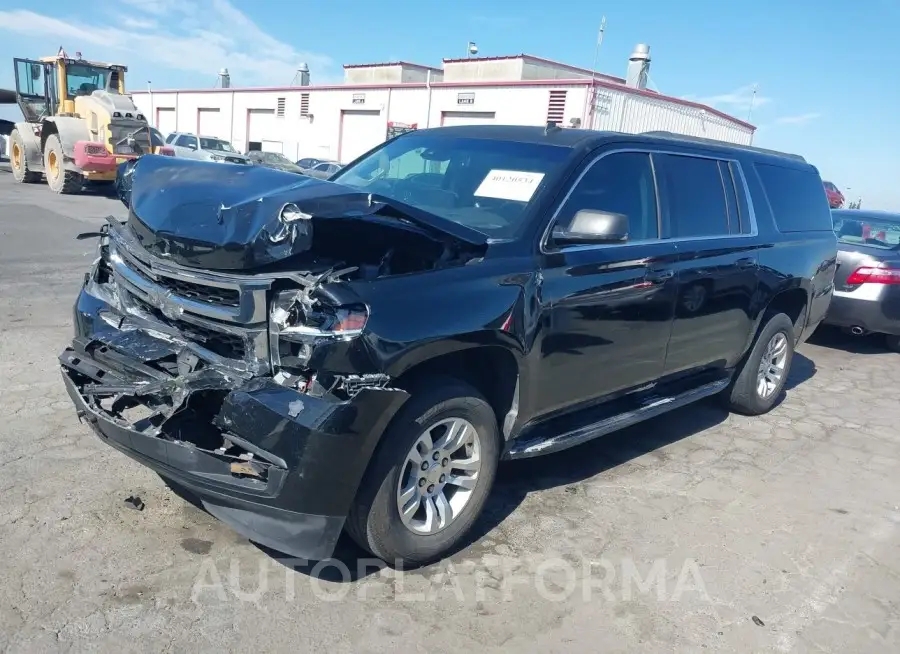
35,89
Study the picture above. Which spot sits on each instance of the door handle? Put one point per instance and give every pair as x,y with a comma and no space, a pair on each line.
660,275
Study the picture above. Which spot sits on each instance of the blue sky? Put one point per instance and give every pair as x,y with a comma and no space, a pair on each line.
826,71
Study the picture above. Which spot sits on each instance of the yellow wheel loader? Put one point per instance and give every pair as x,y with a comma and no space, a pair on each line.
79,123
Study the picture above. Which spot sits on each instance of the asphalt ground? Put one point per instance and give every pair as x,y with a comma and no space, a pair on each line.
695,531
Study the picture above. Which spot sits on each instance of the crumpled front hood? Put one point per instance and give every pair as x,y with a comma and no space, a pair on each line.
226,217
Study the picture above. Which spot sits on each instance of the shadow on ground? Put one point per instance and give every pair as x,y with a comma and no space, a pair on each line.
516,479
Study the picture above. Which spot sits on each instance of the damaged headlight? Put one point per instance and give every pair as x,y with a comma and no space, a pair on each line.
301,322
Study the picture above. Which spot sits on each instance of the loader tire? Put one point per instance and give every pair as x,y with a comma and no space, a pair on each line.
19,161
59,179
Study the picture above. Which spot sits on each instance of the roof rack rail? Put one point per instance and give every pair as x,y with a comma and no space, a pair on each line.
704,141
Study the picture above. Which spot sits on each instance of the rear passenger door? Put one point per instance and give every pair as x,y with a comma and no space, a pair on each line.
706,215
610,305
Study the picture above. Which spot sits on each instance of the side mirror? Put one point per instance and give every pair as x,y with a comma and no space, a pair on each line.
589,226
191,146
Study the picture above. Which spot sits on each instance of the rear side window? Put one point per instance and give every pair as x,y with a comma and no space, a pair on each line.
170,138
797,198
696,196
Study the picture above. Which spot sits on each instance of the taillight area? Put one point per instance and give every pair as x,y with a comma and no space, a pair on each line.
167,151
884,274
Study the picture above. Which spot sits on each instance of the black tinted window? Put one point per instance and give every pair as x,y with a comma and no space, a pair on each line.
695,193
797,198
170,138
186,141
619,183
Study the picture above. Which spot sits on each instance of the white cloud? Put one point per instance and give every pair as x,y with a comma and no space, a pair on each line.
800,119
194,36
739,98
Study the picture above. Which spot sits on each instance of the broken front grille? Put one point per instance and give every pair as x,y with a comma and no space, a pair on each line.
224,314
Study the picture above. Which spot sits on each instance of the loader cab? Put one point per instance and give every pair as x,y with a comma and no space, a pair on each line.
49,86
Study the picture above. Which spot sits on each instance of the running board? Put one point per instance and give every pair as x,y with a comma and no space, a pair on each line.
652,407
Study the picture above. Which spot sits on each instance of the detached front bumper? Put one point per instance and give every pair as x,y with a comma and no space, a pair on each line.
277,465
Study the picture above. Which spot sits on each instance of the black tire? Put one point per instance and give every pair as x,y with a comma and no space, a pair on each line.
892,342
742,395
59,179
374,520
18,160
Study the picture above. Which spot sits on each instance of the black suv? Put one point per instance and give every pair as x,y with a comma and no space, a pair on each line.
360,353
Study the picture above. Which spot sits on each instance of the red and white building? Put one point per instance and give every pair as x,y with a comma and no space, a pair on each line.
343,121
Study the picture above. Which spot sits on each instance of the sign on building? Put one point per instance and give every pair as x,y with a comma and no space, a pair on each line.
465,98
359,98
396,129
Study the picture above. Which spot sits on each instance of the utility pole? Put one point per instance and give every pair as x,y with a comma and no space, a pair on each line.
594,71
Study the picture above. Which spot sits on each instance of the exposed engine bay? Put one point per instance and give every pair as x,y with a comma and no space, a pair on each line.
196,303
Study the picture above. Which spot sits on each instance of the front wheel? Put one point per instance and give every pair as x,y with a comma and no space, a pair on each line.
763,374
59,179
430,476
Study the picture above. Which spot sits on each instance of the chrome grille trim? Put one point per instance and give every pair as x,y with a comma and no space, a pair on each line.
144,272
140,283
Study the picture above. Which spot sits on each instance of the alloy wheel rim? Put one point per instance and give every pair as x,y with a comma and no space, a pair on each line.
439,476
772,366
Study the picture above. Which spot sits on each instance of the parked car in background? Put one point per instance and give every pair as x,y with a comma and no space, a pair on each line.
308,162
204,148
361,353
867,283
834,195
274,160
324,169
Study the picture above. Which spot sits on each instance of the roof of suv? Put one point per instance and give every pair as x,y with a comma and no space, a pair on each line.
569,137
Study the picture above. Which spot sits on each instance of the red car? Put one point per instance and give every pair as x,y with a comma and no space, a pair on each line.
834,195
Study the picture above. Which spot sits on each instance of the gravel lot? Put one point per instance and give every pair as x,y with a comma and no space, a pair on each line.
696,530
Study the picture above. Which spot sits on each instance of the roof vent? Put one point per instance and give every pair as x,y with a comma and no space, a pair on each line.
301,78
224,79
638,67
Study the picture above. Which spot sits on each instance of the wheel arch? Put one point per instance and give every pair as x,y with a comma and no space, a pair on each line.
34,151
491,366
793,301
70,130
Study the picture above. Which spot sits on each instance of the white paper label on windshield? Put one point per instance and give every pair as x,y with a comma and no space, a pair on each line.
509,185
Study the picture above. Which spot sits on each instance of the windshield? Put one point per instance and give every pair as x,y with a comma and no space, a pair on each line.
480,183
216,144
869,229
84,79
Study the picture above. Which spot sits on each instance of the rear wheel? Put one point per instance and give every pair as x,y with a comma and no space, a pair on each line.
763,374
19,161
59,179
430,476
892,342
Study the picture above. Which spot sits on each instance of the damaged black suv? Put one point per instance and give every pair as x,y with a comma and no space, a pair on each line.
309,356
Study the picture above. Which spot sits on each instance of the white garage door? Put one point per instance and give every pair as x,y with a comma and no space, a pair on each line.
165,120
263,130
361,131
210,123
449,118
